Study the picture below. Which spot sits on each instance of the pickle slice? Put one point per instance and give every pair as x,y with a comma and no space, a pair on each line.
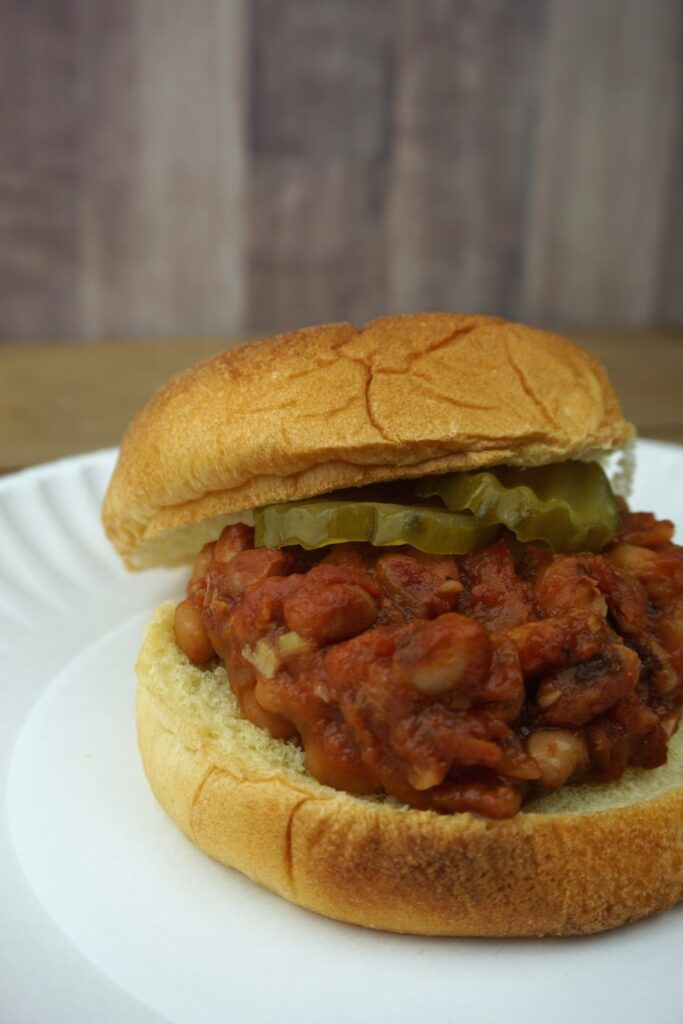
315,524
568,505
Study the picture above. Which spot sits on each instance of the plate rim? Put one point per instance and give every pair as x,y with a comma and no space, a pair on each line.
118,999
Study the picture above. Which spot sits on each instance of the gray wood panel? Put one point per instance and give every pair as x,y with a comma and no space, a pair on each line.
321,78
321,118
607,120
669,299
162,225
122,187
170,167
317,245
466,95
40,171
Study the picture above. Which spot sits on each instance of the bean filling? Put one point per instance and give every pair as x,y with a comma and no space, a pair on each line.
468,683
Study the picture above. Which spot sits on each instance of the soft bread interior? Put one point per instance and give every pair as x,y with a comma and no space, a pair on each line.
202,699
180,545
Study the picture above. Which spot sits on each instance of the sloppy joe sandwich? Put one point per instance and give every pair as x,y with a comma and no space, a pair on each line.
428,672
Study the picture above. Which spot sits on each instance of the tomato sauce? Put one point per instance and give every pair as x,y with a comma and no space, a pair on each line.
452,683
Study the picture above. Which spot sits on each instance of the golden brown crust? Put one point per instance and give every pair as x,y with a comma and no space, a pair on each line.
383,866
332,406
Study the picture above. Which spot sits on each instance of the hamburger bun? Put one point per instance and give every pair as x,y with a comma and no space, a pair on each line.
337,406
581,860
340,406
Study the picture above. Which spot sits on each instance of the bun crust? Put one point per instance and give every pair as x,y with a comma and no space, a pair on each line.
339,406
583,860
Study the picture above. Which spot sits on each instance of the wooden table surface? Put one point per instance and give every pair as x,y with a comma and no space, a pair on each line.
59,399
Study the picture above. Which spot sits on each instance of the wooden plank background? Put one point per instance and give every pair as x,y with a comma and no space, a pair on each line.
171,168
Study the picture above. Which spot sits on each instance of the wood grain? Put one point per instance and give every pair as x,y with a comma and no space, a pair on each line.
121,192
317,244
40,173
59,400
466,92
171,168
161,188
320,122
321,79
609,109
669,301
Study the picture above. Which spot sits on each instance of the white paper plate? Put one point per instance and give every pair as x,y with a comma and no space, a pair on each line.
108,914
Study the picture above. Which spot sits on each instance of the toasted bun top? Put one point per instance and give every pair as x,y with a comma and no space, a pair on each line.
340,406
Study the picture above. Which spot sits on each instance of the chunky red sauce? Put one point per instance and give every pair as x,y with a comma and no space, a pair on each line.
465,683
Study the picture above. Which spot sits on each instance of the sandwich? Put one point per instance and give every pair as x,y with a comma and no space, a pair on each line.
427,675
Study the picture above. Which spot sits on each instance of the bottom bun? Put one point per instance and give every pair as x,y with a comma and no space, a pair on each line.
582,860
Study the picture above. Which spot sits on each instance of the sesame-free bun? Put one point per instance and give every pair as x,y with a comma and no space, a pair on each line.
582,860
340,406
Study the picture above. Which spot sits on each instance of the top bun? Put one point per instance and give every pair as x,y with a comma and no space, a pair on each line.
340,406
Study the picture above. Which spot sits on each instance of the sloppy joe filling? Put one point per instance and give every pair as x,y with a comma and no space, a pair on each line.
455,683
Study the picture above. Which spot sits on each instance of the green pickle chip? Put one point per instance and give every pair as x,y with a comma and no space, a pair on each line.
568,505
317,523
